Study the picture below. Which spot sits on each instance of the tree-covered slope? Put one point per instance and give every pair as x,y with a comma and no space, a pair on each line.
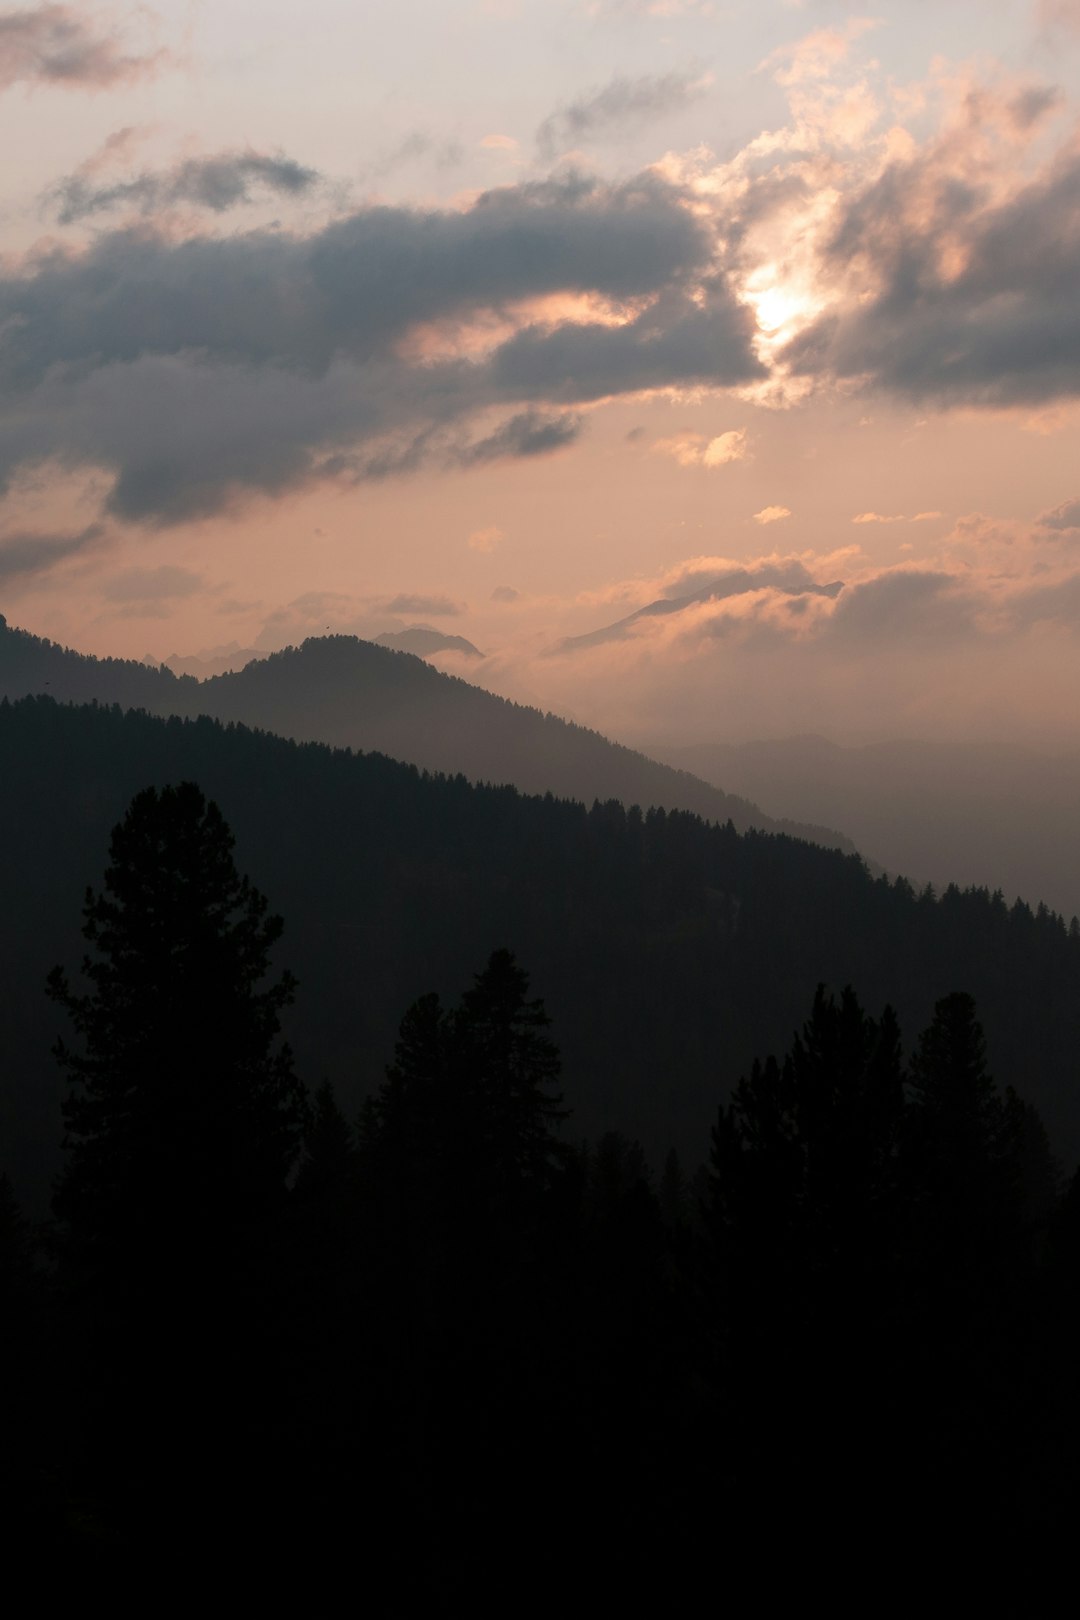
351,693
668,951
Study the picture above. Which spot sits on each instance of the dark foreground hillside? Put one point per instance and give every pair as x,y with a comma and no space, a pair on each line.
442,1356
353,694
670,952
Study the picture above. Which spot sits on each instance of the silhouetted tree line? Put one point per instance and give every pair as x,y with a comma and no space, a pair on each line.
671,951
450,1354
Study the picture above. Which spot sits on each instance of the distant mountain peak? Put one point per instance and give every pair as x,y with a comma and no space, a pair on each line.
423,639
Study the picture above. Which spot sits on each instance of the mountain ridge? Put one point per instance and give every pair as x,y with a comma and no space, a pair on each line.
351,693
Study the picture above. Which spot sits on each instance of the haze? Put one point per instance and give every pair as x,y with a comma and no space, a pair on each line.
511,318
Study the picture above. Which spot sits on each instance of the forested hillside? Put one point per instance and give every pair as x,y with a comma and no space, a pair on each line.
668,951
351,693
967,811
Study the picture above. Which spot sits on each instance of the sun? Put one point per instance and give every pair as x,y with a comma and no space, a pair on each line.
781,305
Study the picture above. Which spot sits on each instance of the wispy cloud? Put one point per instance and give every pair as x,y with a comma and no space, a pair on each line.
62,46
29,554
618,105
216,183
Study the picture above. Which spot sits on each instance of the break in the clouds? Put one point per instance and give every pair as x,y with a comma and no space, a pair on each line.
67,47
623,103
217,183
959,294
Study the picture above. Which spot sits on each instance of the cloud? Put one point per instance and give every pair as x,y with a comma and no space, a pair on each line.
913,603
725,447
772,514
530,433
505,593
701,584
678,340
55,45
486,539
25,555
439,607
957,270
879,517
1062,518
695,450
417,144
623,103
200,370
500,143
151,584
215,183
778,646
817,55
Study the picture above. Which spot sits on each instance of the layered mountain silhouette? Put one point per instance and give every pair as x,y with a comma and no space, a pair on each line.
221,662
790,579
669,951
352,693
974,812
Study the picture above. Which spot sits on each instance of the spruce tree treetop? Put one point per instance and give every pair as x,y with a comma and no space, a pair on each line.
184,1115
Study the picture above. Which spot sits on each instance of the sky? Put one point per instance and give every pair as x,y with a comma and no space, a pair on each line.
515,317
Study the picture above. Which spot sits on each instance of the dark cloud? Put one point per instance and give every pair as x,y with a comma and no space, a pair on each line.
675,341
198,371
1063,517
55,45
216,183
25,555
1002,329
621,104
530,433
912,605
351,289
1041,604
151,584
504,593
439,607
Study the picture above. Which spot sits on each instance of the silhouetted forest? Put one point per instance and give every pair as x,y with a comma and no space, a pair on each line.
354,694
963,811
672,952
444,1348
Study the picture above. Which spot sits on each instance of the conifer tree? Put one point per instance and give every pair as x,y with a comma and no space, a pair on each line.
184,1115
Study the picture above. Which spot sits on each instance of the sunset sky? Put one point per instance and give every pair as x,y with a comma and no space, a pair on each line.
511,317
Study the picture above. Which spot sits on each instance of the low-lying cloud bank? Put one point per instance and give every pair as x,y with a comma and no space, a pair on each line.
955,648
